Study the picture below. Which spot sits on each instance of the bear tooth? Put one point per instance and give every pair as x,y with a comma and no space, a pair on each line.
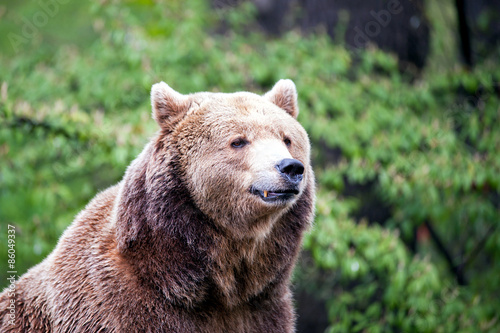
265,194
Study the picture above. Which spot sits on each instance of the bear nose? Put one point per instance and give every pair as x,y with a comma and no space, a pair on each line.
291,169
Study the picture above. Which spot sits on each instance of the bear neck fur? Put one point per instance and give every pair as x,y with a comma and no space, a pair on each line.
174,248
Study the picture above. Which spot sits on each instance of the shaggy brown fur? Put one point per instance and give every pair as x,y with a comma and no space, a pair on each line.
197,237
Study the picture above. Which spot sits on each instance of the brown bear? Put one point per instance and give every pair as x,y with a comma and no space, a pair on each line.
201,235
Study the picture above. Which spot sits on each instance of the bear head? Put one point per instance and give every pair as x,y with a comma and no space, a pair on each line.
243,158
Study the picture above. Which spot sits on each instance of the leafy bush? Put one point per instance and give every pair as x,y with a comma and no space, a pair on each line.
73,117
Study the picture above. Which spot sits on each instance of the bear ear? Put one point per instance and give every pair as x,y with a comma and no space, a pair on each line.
284,95
169,106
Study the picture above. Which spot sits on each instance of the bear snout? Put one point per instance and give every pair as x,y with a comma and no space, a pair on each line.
291,169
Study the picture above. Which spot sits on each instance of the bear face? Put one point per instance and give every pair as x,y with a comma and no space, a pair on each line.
247,170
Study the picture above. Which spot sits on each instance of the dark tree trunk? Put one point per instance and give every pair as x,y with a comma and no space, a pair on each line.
483,19
463,29
397,26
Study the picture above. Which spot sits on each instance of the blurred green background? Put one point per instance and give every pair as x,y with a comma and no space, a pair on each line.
407,157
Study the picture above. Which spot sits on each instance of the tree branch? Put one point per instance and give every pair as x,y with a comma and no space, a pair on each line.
479,246
32,124
457,270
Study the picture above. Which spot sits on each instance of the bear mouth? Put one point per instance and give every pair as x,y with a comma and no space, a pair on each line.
275,195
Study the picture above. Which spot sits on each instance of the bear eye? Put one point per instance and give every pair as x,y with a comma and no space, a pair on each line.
239,143
287,142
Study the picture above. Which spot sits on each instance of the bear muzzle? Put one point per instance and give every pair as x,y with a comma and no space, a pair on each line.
291,170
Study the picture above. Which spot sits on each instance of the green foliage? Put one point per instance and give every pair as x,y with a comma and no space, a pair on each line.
371,283
73,117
